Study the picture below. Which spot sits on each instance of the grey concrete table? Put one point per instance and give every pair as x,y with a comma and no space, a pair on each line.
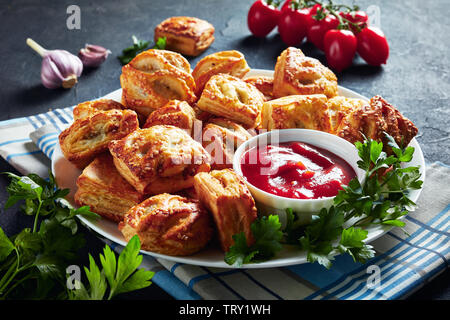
416,78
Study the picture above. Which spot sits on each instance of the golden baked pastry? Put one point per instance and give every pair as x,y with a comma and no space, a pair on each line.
89,108
153,78
375,118
230,62
296,111
232,98
176,113
159,159
201,115
88,137
221,137
263,84
339,107
227,197
168,224
104,190
186,35
297,74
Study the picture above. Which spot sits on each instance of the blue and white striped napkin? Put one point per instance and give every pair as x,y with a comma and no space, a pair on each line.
403,262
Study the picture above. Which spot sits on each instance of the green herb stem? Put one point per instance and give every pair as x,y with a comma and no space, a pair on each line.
37,216
27,277
8,276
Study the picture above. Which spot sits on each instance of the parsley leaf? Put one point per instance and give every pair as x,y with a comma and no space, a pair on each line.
319,235
130,52
239,253
267,236
6,246
139,46
160,43
352,242
293,230
120,274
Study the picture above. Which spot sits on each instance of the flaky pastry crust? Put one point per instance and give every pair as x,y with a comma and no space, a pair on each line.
187,35
153,78
227,197
221,137
89,108
200,114
104,190
176,113
230,62
169,224
159,159
296,74
88,137
339,107
263,84
296,111
230,97
375,118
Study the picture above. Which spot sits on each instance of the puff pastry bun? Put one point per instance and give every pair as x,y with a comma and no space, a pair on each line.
263,84
176,113
88,137
297,74
230,62
159,159
104,190
186,35
168,224
373,119
153,78
89,108
227,197
339,107
297,111
221,137
232,98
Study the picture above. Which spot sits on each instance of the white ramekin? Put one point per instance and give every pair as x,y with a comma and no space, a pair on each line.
268,203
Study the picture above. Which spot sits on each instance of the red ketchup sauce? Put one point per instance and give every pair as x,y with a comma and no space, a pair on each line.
296,170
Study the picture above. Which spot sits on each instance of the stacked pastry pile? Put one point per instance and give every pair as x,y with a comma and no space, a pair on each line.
159,163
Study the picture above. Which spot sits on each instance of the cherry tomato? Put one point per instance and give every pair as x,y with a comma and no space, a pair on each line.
293,25
318,28
312,12
360,18
373,46
262,17
340,48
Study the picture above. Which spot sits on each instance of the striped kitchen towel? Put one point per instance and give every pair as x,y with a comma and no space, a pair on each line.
403,263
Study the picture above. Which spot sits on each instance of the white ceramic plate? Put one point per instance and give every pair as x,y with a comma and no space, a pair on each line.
66,175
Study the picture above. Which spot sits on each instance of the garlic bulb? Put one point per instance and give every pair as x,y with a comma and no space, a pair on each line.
59,68
93,55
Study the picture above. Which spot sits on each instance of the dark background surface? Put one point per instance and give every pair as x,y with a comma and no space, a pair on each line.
416,78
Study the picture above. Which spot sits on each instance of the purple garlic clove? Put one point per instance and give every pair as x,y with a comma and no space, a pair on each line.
93,55
60,68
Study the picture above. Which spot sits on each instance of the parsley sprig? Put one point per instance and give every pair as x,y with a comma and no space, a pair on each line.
33,262
267,234
120,274
381,199
37,256
139,46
